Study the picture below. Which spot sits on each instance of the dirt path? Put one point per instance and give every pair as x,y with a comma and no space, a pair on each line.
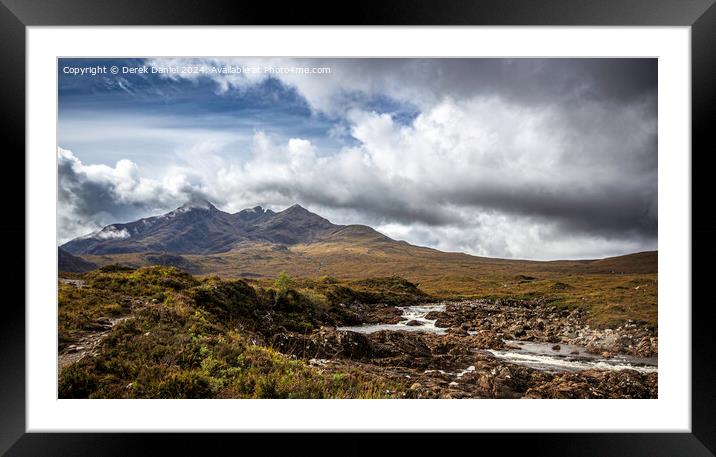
88,344
79,283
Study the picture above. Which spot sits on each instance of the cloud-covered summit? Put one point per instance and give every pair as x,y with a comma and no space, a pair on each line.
524,158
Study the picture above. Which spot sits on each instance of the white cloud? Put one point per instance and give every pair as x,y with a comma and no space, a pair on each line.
91,196
439,181
111,233
543,173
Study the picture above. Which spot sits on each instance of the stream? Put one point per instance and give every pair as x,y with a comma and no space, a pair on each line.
410,313
541,356
536,355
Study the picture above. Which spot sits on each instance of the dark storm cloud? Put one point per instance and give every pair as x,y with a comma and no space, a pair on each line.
605,116
97,195
493,156
523,81
609,211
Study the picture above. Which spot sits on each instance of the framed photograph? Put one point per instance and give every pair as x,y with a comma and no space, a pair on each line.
425,218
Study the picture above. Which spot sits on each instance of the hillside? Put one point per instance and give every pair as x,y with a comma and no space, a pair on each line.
273,307
259,244
198,227
73,264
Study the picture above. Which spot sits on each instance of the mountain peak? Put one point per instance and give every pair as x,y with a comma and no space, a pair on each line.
253,214
197,203
198,227
296,208
297,212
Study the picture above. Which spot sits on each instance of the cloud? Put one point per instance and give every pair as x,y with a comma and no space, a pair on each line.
461,159
525,158
92,196
424,82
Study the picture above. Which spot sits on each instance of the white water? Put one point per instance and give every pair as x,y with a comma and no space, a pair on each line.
535,355
410,313
540,356
467,370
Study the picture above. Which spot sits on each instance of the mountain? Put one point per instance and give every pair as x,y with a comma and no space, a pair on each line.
71,263
291,226
198,227
260,243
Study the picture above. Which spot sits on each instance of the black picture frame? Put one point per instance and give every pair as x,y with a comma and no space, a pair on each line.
16,15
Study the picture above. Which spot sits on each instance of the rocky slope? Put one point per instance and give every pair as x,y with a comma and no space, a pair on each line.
198,227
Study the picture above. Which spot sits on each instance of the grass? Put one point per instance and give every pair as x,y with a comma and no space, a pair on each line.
183,340
613,290
610,299
201,337
332,272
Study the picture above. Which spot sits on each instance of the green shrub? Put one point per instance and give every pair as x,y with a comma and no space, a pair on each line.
77,381
182,338
185,385
226,298
282,284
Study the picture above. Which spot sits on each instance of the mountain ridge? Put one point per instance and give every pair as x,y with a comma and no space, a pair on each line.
199,227
257,242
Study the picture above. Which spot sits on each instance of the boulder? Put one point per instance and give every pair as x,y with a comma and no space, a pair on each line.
597,384
324,343
390,344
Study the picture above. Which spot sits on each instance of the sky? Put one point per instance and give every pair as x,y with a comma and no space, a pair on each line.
516,158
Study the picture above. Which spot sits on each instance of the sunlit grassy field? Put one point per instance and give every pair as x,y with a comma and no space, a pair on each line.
613,289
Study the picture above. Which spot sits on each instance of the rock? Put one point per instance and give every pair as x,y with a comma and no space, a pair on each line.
376,314
414,323
325,343
442,347
646,347
457,331
487,339
597,384
391,344
429,362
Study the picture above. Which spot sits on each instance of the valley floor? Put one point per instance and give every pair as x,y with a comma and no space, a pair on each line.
159,333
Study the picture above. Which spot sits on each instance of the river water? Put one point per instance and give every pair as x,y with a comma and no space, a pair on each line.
410,313
539,356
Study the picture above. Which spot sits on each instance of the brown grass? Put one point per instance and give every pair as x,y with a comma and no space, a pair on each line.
613,289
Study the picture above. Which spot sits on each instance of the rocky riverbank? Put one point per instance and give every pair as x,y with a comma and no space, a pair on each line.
483,349
526,321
